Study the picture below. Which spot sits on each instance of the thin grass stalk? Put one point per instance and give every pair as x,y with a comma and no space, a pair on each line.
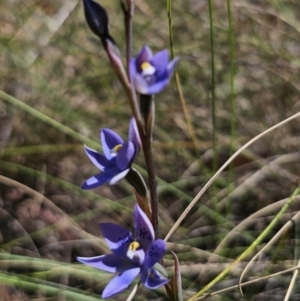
178,84
232,96
251,248
292,284
296,272
213,97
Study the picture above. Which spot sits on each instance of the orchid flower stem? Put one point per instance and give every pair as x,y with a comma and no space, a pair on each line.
128,14
148,112
128,10
152,184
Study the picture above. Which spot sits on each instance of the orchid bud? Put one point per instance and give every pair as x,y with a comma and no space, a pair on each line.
97,19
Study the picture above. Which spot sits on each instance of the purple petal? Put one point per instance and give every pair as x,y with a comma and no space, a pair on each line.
109,139
100,179
171,66
161,74
145,55
144,232
117,238
158,86
95,181
120,282
118,177
97,159
152,279
132,69
155,252
109,263
160,59
125,155
134,136
140,84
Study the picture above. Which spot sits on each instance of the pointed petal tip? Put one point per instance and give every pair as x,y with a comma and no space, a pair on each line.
96,181
153,280
120,282
118,177
133,135
146,52
172,65
144,231
155,253
144,55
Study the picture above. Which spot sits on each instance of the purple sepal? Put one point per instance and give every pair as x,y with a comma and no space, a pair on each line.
133,134
109,140
97,159
100,179
109,263
161,59
155,253
157,87
145,55
125,155
120,282
117,238
152,279
143,228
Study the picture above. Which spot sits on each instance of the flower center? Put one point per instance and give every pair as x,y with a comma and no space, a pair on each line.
147,69
115,150
133,246
136,253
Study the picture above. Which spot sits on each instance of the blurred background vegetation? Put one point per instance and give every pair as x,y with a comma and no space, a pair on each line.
51,62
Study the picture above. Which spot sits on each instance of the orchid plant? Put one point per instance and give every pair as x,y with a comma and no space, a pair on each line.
146,75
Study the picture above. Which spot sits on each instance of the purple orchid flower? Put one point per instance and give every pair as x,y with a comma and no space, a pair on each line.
117,159
130,257
149,73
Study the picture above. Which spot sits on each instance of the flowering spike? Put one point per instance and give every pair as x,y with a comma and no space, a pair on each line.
130,257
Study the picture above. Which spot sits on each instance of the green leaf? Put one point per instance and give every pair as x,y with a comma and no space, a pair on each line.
176,280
